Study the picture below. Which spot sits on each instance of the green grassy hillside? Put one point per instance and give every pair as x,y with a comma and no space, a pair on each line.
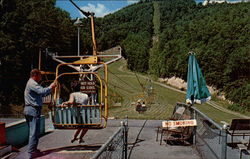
123,83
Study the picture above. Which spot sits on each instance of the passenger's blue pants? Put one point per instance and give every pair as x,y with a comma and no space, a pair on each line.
34,132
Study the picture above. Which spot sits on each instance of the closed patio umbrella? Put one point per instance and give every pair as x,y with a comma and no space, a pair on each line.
197,91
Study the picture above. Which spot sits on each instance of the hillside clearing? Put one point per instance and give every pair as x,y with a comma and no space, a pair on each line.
124,83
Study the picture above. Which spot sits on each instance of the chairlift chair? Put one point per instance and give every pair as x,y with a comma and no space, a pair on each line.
82,116
140,106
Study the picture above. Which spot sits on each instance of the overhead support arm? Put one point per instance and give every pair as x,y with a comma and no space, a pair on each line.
93,35
87,14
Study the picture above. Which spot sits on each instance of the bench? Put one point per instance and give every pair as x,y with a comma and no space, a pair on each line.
177,130
239,127
244,147
180,112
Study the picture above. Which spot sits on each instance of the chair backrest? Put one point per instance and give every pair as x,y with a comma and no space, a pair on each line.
179,110
178,113
240,124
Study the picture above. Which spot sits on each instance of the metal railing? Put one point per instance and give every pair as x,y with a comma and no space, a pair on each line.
116,146
211,138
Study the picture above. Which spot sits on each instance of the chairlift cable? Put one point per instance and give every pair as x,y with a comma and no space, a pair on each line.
122,80
139,82
87,14
120,88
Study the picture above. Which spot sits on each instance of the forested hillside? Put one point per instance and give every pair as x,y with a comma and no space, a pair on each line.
219,34
26,26
132,28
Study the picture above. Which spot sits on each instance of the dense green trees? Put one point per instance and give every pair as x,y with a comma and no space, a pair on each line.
132,28
26,26
219,34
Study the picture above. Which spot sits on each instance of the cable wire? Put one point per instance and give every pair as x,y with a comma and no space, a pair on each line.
120,88
139,82
122,80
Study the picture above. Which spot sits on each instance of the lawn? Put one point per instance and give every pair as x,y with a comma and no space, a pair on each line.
123,83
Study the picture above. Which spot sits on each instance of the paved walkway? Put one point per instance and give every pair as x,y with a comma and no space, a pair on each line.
150,149
57,143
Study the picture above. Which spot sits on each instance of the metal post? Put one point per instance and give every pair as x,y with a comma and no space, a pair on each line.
194,135
123,139
78,36
223,143
39,65
126,138
78,23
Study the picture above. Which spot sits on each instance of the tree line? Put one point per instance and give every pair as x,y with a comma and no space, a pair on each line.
25,27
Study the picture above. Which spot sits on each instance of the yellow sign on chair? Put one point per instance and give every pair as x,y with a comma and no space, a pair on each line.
89,60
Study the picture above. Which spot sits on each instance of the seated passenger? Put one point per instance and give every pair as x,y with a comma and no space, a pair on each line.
143,104
78,98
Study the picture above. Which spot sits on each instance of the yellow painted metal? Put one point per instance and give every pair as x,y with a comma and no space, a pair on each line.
93,34
84,56
106,93
79,125
47,73
62,106
101,63
40,60
75,73
91,59
103,84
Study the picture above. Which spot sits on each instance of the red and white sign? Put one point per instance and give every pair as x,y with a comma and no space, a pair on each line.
179,123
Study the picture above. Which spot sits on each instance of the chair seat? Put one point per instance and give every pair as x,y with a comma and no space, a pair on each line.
76,117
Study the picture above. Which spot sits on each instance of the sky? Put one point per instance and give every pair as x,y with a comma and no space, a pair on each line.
99,7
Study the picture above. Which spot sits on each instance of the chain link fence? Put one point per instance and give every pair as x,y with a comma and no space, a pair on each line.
208,137
211,138
116,146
